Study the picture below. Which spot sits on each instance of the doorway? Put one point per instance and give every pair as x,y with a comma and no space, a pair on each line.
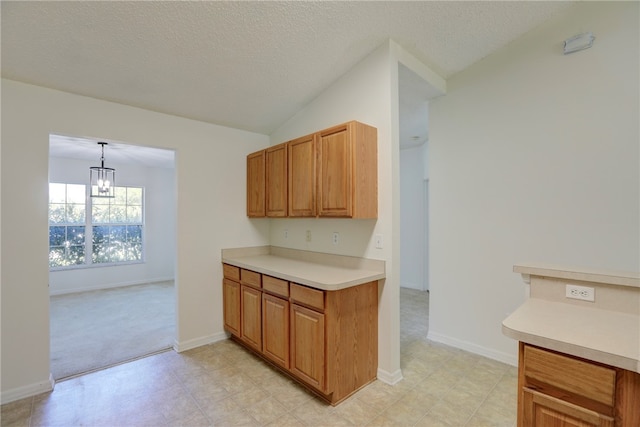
413,92
111,277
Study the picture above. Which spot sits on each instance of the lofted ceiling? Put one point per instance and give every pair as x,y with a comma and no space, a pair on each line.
245,64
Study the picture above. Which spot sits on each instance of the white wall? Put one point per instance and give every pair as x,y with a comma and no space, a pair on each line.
210,215
159,228
362,94
533,156
367,93
413,216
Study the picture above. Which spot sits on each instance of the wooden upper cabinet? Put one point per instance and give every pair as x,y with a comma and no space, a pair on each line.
276,180
256,184
331,173
302,176
347,165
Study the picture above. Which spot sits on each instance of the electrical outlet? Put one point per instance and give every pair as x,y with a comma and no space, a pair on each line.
584,293
336,238
378,241
285,233
308,235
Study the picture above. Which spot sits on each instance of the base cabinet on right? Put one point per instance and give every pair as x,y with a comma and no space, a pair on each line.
326,340
560,390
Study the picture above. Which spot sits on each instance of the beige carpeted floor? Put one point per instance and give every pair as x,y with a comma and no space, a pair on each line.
95,329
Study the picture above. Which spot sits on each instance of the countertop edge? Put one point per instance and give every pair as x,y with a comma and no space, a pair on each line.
549,341
620,278
573,350
363,276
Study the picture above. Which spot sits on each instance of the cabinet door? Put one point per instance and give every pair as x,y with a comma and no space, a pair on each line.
231,306
335,173
541,410
275,329
251,318
308,346
276,180
256,184
302,177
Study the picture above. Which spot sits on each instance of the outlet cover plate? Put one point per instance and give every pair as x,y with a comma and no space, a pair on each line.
584,293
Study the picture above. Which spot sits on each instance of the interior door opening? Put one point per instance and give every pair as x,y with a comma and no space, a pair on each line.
111,259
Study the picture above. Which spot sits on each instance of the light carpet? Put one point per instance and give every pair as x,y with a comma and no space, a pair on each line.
96,329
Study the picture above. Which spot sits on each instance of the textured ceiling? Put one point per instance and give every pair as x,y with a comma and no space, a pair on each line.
115,153
247,65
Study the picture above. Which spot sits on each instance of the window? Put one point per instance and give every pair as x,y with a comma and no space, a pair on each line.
67,209
111,233
117,226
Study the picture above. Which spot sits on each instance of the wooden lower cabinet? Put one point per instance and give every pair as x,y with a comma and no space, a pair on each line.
275,329
543,410
307,346
326,340
231,308
559,390
251,310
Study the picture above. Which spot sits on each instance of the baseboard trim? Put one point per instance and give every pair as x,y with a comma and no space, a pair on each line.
27,391
390,378
198,342
110,286
500,356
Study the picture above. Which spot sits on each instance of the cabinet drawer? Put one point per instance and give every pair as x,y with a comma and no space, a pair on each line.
307,296
251,278
276,286
543,369
231,272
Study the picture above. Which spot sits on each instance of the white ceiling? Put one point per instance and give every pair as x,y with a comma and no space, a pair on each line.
115,153
244,64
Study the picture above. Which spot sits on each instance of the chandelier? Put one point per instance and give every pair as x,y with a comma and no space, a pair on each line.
103,180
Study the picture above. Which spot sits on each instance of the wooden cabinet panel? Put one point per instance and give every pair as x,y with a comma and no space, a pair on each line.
302,176
334,173
545,411
347,165
231,306
574,376
276,180
251,278
275,286
251,321
231,272
256,184
351,324
307,346
275,329
307,296
557,389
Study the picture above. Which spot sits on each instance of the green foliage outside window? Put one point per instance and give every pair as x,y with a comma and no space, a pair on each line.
116,226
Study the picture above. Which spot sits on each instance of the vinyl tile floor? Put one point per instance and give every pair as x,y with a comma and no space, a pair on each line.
224,385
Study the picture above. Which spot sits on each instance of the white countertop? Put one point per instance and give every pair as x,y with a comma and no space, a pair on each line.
320,275
606,330
604,336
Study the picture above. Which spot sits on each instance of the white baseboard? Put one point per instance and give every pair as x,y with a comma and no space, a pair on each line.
110,286
390,378
197,342
27,391
509,359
